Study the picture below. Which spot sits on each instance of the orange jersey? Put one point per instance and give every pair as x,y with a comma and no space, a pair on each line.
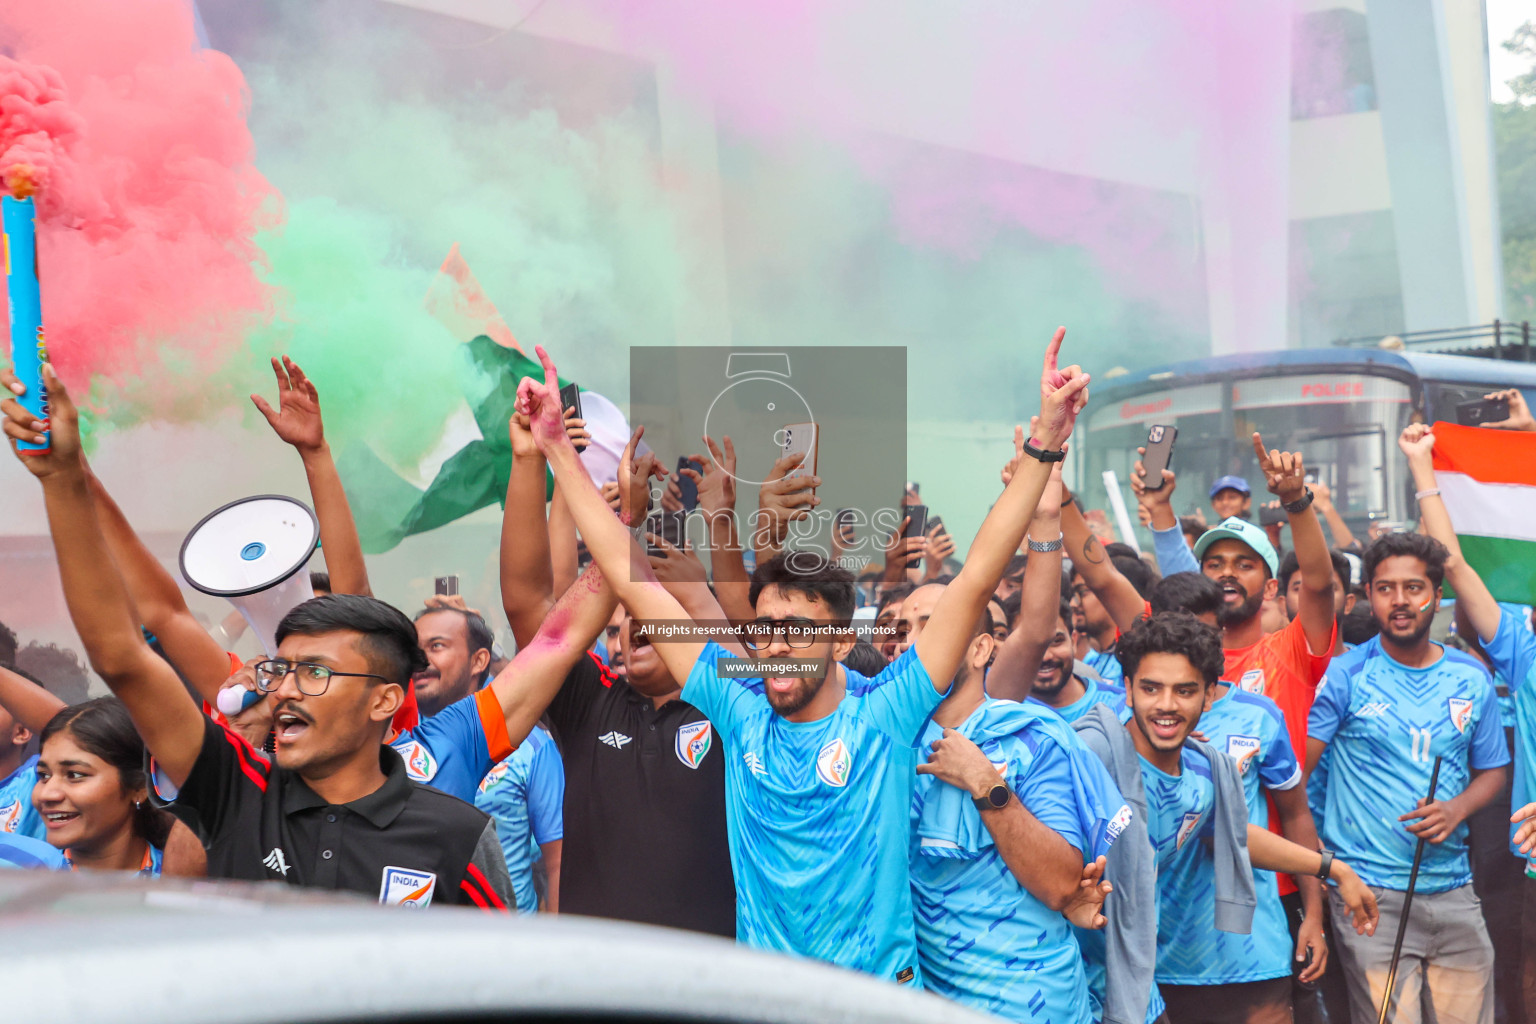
1283,668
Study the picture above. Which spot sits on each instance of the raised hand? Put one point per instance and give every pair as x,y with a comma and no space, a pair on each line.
63,426
717,484
783,499
576,429
523,444
901,551
540,403
1520,417
1417,441
1063,394
1284,473
1018,453
1146,498
940,546
635,480
676,565
297,419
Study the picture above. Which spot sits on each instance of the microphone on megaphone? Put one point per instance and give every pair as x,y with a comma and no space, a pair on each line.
253,552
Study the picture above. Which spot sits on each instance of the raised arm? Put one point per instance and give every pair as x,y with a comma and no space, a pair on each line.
1063,394
1285,475
613,548
1018,657
1090,561
297,421
28,703
158,600
530,681
1343,537
1472,595
717,502
170,723
527,578
1173,554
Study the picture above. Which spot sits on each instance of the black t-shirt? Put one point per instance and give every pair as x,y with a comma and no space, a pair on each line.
645,835
404,844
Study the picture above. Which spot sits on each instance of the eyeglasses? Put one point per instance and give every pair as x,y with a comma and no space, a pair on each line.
313,679
760,633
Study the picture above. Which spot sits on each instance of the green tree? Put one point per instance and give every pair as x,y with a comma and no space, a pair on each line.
1514,132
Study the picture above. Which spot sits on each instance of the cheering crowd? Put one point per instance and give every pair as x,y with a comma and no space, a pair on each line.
1052,782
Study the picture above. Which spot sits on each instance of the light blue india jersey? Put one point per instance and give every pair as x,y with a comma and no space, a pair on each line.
1513,653
1251,730
818,815
1106,664
1096,693
1385,724
17,816
525,797
984,940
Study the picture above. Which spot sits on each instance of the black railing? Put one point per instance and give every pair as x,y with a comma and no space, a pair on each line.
1498,340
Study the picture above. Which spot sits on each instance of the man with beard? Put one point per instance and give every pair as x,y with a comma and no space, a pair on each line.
1007,810
1284,666
1038,657
819,780
644,812
1172,664
1387,710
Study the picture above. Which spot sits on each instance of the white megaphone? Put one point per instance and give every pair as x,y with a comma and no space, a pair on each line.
252,552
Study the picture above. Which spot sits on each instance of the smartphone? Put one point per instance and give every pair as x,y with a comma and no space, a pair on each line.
801,438
1271,515
1482,410
669,526
1159,451
689,489
448,586
843,525
918,521
932,522
570,398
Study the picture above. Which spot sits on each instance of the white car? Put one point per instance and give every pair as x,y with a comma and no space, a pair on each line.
87,948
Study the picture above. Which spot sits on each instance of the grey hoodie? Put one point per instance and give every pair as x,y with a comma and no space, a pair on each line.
1131,937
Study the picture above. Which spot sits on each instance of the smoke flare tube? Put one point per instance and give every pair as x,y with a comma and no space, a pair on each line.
29,350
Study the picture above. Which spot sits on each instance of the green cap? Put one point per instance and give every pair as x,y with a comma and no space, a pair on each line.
1233,528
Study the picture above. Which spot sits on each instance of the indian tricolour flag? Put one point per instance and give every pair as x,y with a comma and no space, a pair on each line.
1488,480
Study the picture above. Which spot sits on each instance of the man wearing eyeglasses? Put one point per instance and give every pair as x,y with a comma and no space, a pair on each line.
334,809
818,778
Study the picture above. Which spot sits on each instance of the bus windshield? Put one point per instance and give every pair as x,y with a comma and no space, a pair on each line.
1346,426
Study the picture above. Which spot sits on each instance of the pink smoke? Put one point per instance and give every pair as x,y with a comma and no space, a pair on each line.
1180,96
149,198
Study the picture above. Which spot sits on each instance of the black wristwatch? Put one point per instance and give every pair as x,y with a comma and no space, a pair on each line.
1327,866
1043,454
995,800
1301,504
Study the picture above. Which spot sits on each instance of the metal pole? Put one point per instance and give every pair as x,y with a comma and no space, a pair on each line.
1402,923
1497,337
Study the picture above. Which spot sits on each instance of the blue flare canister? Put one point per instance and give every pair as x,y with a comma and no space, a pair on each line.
29,350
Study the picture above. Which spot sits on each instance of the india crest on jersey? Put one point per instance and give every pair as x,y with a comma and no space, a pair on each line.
1242,750
1461,712
1187,828
420,765
10,816
1252,681
693,742
835,763
493,776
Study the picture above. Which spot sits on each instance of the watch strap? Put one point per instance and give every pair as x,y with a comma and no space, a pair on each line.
1327,866
1043,454
1301,504
995,799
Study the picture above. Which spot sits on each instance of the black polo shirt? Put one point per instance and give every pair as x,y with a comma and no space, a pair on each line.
403,844
645,832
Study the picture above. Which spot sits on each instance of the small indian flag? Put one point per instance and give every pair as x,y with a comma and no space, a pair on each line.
1488,480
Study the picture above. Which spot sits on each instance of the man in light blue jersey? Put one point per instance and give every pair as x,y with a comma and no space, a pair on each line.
1386,711
525,795
1193,794
819,780
1506,638
17,775
1008,811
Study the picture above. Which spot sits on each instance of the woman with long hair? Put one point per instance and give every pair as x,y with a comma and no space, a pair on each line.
92,791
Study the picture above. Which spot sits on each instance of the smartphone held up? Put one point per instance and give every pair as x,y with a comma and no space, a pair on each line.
1159,454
